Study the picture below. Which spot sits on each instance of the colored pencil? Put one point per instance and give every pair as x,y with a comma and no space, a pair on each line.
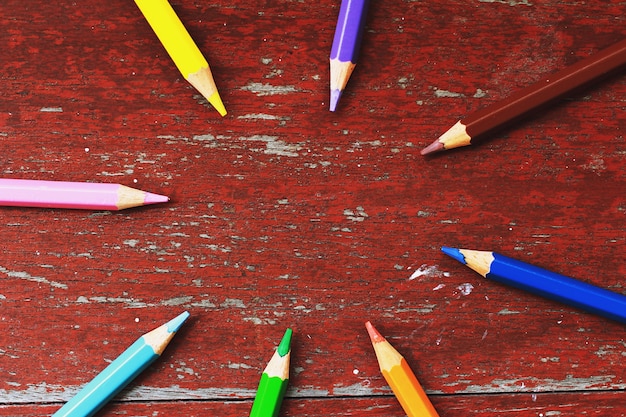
181,48
346,43
543,282
533,97
73,195
400,377
93,396
274,381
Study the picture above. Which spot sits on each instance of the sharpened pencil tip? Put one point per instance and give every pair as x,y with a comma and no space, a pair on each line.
375,336
216,101
151,198
175,324
436,146
285,344
335,95
454,253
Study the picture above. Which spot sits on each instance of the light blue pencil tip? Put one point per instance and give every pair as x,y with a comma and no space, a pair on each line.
174,324
335,95
454,253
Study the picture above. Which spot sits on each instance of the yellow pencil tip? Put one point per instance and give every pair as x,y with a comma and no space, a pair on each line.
216,101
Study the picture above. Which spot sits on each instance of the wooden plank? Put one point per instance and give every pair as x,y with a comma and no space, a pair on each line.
284,214
520,405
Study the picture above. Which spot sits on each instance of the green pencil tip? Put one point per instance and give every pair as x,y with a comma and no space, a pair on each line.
174,324
285,344
454,253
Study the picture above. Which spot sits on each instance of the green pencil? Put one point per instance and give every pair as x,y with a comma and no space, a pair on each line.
274,381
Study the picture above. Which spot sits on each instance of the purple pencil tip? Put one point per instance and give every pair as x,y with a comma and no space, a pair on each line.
151,198
335,95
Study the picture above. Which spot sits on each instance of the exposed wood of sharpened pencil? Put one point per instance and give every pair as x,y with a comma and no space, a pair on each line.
400,377
522,102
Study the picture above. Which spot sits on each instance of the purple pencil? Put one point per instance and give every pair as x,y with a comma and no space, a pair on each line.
346,44
73,195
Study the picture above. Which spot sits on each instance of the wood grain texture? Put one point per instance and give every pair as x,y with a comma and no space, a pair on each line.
283,214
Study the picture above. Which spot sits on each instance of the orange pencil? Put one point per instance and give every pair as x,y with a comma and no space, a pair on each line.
400,378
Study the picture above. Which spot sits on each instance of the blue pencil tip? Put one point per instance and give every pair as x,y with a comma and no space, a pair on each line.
335,95
174,324
454,253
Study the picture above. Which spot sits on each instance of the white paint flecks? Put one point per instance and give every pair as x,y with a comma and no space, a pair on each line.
509,2
131,303
357,215
465,288
274,146
262,116
354,390
448,94
238,366
429,271
596,165
269,90
424,270
26,276
177,301
51,109
569,383
233,302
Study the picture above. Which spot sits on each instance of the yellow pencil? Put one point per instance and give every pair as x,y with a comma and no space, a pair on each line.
181,48
400,378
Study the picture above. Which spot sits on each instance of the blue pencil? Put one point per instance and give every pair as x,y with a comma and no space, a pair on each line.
543,282
121,371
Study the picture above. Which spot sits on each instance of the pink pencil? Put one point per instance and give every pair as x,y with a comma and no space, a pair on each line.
73,195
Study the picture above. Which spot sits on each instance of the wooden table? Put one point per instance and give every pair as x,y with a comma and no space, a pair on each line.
284,214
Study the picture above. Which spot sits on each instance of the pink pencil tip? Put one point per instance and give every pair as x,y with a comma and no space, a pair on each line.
375,336
436,146
335,95
151,198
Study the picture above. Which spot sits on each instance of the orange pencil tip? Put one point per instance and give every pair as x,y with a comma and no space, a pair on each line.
375,336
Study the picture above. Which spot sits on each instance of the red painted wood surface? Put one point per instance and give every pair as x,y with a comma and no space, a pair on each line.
284,214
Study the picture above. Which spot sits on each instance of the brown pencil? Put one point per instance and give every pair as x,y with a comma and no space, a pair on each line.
520,103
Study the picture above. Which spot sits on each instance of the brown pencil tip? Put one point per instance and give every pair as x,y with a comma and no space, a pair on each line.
375,336
436,146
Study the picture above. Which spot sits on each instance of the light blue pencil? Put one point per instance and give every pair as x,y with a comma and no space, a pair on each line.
121,371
